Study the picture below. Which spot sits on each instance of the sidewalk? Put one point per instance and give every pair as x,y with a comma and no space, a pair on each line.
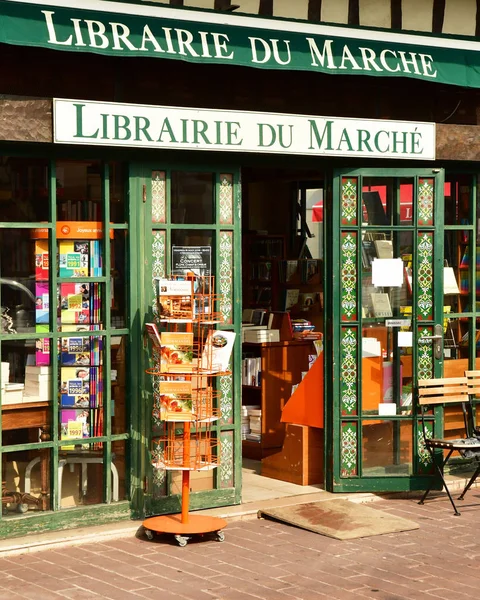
260,493
263,559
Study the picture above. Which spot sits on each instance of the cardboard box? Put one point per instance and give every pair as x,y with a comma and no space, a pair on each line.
199,481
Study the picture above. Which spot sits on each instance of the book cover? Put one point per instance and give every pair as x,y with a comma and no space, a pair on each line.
74,424
217,351
75,387
290,298
384,248
42,302
369,253
42,347
81,351
74,258
381,305
176,354
176,400
175,298
41,260
80,303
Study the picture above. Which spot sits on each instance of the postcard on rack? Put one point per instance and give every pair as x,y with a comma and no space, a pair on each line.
176,401
217,351
153,334
176,355
175,298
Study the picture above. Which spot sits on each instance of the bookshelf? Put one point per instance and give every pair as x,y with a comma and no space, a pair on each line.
282,365
260,251
299,290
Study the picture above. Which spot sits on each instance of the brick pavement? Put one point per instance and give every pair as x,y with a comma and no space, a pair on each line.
267,560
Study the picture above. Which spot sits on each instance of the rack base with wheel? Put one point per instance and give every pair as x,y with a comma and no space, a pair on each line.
182,532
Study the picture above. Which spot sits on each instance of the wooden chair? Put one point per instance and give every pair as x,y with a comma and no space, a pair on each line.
473,382
447,391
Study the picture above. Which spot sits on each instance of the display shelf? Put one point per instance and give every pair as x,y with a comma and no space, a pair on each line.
188,355
282,366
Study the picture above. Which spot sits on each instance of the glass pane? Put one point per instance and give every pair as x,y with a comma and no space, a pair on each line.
118,384
458,199
24,184
387,323
80,475
387,448
192,197
118,193
23,280
119,278
119,469
387,201
25,483
79,191
26,393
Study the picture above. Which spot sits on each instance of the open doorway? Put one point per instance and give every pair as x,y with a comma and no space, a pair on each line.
282,332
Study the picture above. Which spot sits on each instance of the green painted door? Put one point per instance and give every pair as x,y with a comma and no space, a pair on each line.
386,302
188,207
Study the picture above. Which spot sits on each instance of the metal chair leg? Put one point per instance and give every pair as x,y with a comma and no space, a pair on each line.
470,483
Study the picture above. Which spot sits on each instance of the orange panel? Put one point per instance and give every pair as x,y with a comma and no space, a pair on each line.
305,406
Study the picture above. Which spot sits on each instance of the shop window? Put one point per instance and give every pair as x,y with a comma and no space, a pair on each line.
24,186
192,197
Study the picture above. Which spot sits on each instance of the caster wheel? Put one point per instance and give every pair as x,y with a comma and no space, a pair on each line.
220,536
149,534
181,540
22,508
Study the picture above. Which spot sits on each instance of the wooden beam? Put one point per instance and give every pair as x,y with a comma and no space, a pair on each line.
315,10
438,16
396,14
266,8
353,12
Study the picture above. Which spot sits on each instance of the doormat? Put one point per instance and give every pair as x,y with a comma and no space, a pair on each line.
339,519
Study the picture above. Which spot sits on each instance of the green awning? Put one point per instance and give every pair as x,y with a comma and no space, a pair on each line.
129,29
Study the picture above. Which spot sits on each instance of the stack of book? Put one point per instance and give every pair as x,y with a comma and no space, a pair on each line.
37,383
251,371
245,426
255,422
304,330
12,393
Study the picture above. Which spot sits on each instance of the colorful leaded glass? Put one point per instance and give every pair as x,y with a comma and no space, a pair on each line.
225,271
425,353
426,195
349,201
226,470
348,449
225,199
424,459
348,278
158,197
425,276
349,371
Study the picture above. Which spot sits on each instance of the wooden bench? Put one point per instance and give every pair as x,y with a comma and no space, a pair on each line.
449,391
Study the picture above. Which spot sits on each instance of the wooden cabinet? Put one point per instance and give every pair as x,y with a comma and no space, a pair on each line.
282,364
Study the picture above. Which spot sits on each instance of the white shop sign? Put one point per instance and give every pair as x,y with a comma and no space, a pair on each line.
134,125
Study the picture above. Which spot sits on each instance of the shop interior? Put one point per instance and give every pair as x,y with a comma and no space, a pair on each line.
282,283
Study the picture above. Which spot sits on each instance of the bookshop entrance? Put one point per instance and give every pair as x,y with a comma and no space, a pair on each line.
388,323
